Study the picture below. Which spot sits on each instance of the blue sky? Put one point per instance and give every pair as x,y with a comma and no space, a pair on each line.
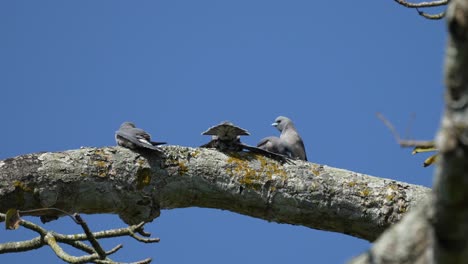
73,71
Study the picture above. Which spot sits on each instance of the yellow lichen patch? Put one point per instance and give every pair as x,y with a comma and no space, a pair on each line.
394,187
365,192
143,176
270,169
250,177
99,152
102,168
140,161
315,169
183,169
100,164
392,192
22,186
351,184
194,153
390,197
254,178
402,209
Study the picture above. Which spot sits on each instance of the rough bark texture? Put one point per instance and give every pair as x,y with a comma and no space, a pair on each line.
451,182
438,231
408,242
137,185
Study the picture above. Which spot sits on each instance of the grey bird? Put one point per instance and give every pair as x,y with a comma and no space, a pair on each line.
272,144
128,136
290,138
226,137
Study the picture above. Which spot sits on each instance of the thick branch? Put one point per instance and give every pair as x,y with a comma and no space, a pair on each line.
137,185
410,241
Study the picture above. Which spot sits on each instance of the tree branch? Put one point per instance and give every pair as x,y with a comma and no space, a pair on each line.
95,253
404,143
137,185
429,4
409,241
422,4
431,16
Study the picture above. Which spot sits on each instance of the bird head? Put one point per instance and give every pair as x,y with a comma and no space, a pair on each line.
281,122
127,125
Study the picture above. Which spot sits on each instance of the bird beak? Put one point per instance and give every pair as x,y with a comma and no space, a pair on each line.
275,124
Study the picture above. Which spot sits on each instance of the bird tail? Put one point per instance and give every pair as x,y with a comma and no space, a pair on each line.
154,143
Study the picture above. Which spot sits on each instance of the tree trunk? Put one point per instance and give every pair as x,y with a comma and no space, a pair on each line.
438,231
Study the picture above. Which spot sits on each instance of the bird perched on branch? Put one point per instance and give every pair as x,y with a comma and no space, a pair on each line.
226,137
289,143
128,136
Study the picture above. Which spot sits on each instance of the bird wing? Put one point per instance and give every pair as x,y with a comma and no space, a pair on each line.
135,138
301,143
263,142
156,143
267,153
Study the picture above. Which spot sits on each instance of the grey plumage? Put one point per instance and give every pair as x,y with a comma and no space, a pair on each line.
272,144
289,143
226,137
226,131
129,136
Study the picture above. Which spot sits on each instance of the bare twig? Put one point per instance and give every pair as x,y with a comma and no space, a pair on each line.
431,16
144,261
52,239
422,4
21,246
47,211
419,146
403,142
49,239
91,237
429,4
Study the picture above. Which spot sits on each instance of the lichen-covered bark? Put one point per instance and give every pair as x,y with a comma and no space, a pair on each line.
137,185
408,242
451,182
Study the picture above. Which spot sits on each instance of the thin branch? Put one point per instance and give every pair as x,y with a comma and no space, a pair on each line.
403,142
144,240
144,261
46,210
52,239
431,16
126,231
21,246
78,245
422,4
91,237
